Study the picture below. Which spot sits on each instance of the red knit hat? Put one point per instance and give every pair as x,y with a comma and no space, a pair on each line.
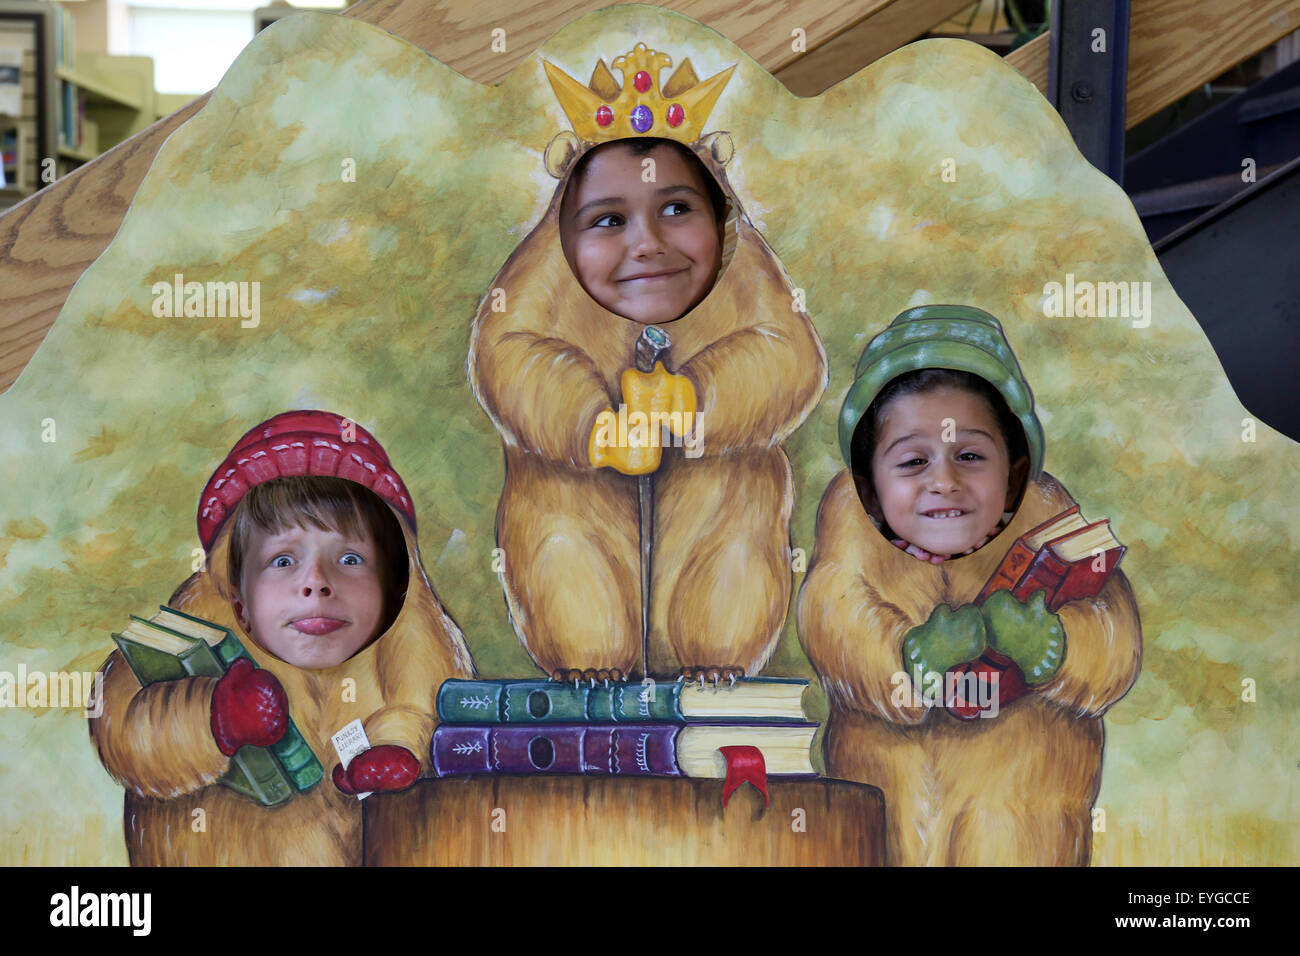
299,443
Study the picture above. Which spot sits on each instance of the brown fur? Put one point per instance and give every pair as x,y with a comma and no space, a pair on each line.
1014,789
157,741
547,365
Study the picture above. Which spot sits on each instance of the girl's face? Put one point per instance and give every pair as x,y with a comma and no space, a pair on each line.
648,251
941,471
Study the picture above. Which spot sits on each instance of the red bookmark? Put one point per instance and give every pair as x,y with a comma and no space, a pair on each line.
744,764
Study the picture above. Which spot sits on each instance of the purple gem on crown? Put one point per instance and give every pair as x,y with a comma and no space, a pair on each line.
642,118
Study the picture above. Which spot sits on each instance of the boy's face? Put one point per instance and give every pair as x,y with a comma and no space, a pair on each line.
944,496
648,251
312,598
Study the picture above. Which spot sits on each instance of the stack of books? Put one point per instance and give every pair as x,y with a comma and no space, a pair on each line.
668,729
173,645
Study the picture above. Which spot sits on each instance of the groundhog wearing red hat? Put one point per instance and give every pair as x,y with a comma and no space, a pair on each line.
312,560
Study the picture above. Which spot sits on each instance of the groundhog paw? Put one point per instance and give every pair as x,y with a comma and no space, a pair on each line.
712,672
566,675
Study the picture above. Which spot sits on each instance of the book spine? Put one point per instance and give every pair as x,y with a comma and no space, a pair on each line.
469,701
457,750
516,701
1046,571
148,665
549,702
647,750
256,773
543,701
1009,571
201,661
656,703
1085,578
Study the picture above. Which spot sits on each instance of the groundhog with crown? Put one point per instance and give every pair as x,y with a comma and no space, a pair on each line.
636,253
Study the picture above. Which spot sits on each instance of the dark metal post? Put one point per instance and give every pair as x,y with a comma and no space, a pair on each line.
1086,77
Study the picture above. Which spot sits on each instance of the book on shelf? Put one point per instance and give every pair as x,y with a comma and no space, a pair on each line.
65,37
172,645
1068,556
631,750
543,701
11,86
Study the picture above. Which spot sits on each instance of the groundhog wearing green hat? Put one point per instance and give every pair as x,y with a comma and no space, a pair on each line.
977,710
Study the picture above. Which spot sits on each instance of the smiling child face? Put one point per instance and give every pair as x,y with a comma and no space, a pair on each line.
944,496
311,597
648,251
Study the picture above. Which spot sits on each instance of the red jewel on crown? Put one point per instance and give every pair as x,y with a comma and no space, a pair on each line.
675,115
604,116
642,81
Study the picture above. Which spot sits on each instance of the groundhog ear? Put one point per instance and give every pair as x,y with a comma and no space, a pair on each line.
720,146
560,153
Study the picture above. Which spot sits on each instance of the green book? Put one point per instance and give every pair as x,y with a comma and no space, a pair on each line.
172,645
543,701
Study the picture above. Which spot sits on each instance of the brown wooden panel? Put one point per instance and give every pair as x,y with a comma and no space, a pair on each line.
889,27
637,821
1177,45
1031,60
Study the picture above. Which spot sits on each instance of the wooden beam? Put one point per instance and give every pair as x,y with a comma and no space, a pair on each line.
1177,45
459,32
888,27
48,240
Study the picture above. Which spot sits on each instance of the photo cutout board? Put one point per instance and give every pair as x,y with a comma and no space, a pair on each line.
385,233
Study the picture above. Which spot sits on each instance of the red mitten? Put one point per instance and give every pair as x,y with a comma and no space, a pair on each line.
248,707
1011,683
386,767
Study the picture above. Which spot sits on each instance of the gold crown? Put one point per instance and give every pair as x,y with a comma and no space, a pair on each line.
600,111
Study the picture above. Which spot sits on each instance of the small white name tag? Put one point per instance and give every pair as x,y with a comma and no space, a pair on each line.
349,742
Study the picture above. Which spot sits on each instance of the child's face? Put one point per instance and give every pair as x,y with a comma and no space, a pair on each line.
944,496
648,251
312,598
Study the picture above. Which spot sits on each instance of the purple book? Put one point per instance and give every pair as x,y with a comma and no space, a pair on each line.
643,750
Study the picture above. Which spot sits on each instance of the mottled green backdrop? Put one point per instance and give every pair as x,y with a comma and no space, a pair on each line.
368,288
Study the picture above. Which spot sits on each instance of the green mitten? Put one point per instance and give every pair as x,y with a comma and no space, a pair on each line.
947,639
1028,633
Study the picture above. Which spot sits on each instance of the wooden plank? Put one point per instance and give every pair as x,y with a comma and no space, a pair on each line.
459,32
1177,45
1031,60
555,820
48,240
889,27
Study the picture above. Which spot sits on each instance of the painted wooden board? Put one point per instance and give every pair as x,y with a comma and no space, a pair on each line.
374,195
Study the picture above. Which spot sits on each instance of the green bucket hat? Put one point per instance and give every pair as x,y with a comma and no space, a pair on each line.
958,337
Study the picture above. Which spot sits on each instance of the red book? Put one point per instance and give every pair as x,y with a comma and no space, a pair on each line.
1026,548
1074,566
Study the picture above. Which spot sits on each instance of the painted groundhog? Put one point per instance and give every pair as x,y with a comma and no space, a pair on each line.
941,438
169,743
547,358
